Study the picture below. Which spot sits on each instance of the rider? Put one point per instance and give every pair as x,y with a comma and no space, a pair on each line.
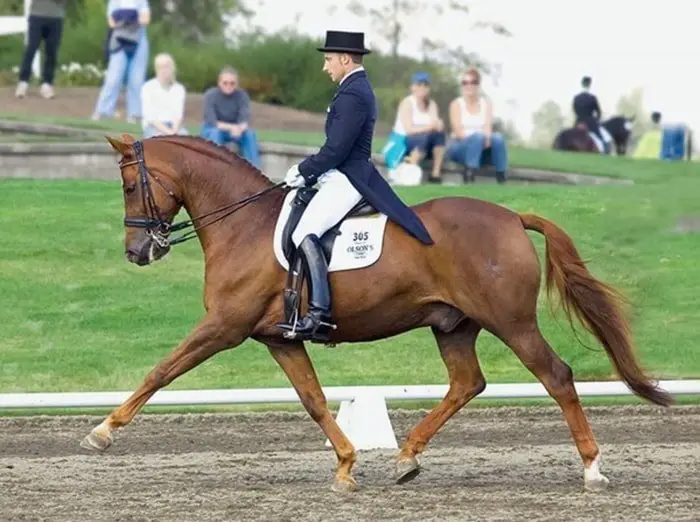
345,175
587,110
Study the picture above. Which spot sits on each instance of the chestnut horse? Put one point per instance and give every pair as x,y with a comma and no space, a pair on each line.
483,272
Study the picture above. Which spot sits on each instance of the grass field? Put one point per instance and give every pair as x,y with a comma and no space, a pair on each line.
77,316
518,156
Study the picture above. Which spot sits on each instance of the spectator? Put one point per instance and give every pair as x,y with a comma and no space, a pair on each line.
418,120
649,146
227,116
163,100
45,23
128,48
471,120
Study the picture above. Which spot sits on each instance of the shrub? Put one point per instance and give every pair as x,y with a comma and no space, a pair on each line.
282,68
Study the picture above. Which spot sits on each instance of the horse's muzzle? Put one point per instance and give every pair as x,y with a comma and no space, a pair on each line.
140,255
146,252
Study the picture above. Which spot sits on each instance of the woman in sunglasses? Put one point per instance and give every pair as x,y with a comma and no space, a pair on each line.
473,139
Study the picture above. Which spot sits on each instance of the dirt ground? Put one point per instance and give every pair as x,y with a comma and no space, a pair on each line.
486,464
78,102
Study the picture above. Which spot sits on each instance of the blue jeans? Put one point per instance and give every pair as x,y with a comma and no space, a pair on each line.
471,152
121,67
247,142
150,131
425,142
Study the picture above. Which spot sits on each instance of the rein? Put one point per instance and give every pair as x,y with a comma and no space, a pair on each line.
156,226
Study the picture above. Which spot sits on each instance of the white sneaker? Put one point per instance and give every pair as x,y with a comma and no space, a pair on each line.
46,91
21,90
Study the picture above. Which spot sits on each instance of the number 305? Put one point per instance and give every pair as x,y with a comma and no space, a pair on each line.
360,236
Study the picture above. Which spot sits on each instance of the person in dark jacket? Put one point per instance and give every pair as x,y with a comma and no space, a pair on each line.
345,173
587,110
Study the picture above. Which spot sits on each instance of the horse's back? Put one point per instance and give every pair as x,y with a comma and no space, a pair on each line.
463,221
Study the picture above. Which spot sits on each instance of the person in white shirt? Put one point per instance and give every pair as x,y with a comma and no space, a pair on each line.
419,121
163,101
473,140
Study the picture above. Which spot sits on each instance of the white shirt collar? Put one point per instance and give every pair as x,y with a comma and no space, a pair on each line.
360,68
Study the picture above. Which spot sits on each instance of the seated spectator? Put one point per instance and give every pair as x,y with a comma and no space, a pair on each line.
418,120
163,100
473,139
128,57
227,116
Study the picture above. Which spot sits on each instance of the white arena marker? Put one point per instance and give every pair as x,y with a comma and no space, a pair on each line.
365,421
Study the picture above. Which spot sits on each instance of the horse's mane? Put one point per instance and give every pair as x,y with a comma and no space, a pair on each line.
220,152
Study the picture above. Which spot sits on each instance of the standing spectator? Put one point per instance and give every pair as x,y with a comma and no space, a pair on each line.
227,116
419,121
163,100
128,57
45,23
471,119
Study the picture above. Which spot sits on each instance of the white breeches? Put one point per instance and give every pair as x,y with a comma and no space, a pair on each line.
335,198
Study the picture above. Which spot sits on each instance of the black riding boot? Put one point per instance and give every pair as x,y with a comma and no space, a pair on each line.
316,324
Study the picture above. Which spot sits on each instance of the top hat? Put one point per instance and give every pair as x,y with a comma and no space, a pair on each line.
344,42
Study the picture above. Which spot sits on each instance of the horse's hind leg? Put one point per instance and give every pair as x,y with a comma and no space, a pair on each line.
295,361
533,350
458,351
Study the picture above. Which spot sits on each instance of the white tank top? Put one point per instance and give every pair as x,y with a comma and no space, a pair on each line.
472,122
419,117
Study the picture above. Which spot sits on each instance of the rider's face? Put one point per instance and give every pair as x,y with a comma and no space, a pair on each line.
336,64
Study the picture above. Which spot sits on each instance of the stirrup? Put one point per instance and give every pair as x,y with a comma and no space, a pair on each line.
315,330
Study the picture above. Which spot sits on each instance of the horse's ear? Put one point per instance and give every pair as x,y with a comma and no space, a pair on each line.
128,138
118,145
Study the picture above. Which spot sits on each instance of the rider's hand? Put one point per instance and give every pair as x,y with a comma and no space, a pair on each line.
293,179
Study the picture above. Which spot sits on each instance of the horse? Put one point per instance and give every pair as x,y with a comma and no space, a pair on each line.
482,273
578,139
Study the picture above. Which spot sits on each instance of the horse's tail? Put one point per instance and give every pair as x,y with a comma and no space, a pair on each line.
596,305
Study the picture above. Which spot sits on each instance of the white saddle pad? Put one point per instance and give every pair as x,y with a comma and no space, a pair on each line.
359,244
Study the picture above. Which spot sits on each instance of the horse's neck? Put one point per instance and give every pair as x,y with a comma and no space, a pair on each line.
216,185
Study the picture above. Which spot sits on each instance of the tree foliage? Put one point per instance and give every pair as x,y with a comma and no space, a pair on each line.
547,121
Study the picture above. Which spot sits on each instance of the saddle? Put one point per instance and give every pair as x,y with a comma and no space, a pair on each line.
301,201
297,272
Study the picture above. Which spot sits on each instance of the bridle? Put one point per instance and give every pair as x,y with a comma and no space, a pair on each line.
159,228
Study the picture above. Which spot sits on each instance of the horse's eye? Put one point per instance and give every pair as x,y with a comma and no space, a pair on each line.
129,189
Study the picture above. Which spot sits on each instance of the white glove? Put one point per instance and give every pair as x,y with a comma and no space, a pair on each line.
293,179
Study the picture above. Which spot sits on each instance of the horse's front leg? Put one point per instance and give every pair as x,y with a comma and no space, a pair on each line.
212,335
294,360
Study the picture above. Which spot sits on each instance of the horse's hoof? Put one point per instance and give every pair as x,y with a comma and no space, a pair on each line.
96,442
407,470
344,485
598,483
593,479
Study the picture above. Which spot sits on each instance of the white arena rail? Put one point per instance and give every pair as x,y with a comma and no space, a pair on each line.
363,413
18,25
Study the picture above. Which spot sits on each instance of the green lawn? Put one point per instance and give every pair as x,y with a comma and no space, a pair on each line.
77,316
519,157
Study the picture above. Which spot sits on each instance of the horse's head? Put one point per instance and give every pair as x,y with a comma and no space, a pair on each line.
152,198
620,128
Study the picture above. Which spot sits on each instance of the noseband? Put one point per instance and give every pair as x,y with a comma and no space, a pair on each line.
159,228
